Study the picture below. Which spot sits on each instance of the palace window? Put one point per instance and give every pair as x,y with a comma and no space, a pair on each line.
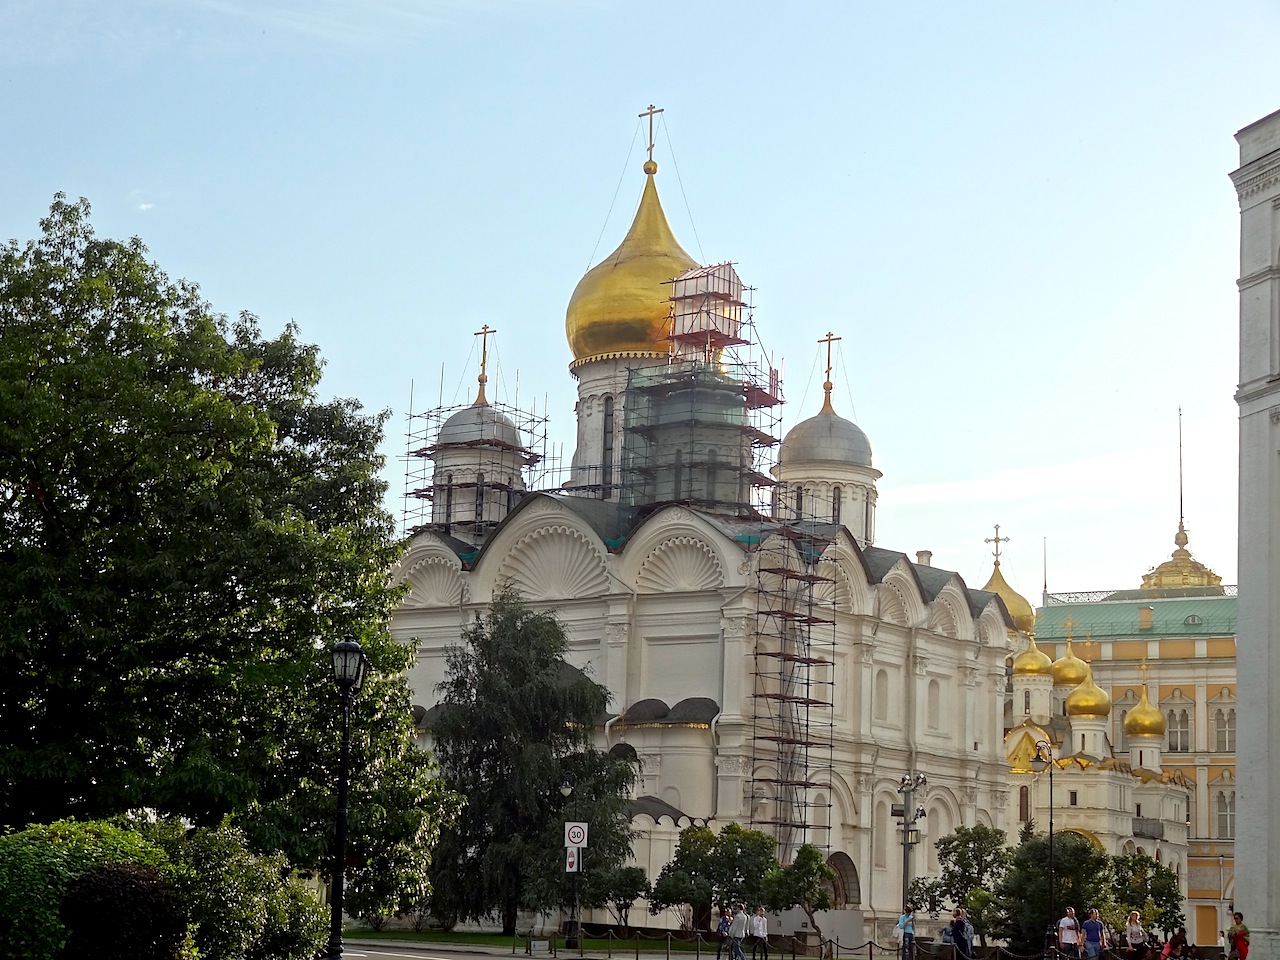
1179,731
881,696
1226,804
1224,730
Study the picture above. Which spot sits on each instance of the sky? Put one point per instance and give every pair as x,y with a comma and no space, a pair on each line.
1017,217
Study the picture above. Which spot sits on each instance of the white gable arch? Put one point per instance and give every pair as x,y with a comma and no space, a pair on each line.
675,550
899,596
545,551
431,572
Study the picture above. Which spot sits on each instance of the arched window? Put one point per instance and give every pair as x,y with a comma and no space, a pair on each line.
1179,727
837,494
479,511
866,519
881,696
1024,804
1224,730
1226,803
713,463
678,490
606,467
933,708
1122,741
799,502
448,499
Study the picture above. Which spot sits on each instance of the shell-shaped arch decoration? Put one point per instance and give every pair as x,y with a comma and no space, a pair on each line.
433,582
893,605
680,565
555,563
943,619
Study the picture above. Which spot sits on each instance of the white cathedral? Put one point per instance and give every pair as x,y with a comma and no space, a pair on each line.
768,662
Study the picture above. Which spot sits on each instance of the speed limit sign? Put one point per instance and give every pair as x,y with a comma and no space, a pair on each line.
575,834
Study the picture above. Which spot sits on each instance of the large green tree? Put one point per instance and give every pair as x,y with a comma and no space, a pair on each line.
185,528
1081,879
709,867
515,723
805,882
1148,886
973,861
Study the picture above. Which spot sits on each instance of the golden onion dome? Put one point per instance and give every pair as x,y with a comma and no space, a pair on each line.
1069,670
621,307
1032,662
1088,699
1024,616
1144,719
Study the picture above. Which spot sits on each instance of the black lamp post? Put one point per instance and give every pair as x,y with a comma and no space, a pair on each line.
907,786
349,668
571,940
1044,761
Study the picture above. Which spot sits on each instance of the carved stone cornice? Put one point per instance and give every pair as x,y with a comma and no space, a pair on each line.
1258,176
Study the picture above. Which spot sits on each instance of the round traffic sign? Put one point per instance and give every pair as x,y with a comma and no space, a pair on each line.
576,835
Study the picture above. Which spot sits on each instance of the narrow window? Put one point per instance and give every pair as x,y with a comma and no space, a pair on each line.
678,492
448,499
933,706
712,465
1137,809
799,503
1024,804
1026,702
606,468
881,698
479,498
1073,797
837,494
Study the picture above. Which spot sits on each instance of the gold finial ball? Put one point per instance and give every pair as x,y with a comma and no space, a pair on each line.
650,167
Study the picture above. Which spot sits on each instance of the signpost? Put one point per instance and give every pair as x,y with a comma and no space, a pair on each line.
575,839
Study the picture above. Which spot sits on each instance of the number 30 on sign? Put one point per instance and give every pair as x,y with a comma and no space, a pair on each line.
575,834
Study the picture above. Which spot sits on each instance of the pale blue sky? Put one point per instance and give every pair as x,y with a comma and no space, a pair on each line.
1017,215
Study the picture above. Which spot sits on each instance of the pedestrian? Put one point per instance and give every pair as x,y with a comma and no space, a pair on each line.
722,929
1237,938
1069,934
759,933
1095,935
1177,945
968,931
907,928
737,932
957,934
1135,937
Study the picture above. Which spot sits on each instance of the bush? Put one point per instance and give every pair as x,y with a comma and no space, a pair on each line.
244,906
122,911
39,865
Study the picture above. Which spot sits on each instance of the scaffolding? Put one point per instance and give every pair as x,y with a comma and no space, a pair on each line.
470,500
701,428
793,701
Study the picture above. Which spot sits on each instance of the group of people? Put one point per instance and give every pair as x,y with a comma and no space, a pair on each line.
1084,940
735,927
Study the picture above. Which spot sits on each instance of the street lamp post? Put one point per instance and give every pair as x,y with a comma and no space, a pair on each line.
349,668
907,786
1044,761
571,940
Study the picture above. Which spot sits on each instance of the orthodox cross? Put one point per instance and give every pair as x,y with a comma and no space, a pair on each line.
1068,624
650,114
483,334
997,540
829,340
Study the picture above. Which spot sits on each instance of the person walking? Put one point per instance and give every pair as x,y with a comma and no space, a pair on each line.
957,935
759,927
1237,938
907,926
1095,936
737,932
1069,934
1135,936
722,930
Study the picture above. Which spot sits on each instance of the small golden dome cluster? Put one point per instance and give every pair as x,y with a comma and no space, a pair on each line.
1032,662
1088,699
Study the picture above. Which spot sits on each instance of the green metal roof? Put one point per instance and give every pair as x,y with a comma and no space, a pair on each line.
1119,619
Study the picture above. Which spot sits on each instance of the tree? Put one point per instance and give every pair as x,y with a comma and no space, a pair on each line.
617,888
515,721
1148,886
726,867
972,859
185,528
805,883
1082,878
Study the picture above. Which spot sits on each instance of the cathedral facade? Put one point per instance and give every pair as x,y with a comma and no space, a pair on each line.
770,664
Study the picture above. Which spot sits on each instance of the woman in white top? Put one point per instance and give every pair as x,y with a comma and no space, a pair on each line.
1135,936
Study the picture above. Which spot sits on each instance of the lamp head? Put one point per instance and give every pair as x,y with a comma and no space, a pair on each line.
566,789
920,812
349,664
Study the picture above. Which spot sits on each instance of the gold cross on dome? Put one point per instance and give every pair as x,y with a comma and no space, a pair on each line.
650,113
483,334
997,540
1068,624
829,339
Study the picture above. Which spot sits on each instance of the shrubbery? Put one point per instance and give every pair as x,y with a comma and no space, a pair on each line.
67,887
